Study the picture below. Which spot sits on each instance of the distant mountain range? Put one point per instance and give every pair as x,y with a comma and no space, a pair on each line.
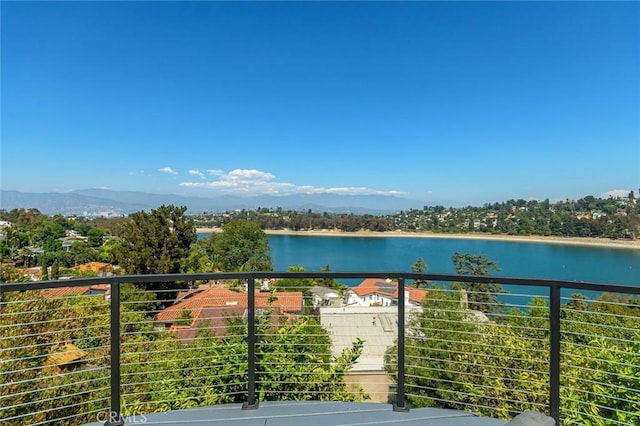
104,202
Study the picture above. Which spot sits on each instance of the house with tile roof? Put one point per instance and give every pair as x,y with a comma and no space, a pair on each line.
212,307
323,296
35,273
99,268
381,292
97,289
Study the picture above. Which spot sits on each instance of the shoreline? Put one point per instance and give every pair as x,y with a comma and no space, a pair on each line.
583,241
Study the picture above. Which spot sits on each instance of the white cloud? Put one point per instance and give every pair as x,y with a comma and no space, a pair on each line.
196,172
254,182
168,170
249,175
616,193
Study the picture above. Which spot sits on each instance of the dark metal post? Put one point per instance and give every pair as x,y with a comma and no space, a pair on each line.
115,415
554,354
251,403
400,402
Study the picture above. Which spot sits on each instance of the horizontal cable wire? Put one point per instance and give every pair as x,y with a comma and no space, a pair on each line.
500,398
24,404
39,379
137,373
50,344
611,397
55,408
31,358
510,380
604,420
475,385
165,380
53,332
162,361
84,413
477,354
40,367
539,405
131,394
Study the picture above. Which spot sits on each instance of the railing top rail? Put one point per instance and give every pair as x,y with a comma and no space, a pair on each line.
535,282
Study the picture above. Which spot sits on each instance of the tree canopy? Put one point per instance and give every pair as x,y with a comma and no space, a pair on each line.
156,242
482,296
420,266
241,246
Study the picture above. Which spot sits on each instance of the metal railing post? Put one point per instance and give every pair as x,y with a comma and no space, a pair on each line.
400,404
251,403
115,414
554,352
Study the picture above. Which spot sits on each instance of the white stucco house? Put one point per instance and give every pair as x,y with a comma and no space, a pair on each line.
381,292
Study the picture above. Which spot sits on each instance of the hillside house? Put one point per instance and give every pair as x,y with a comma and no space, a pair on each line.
35,273
211,308
103,290
381,292
101,269
323,296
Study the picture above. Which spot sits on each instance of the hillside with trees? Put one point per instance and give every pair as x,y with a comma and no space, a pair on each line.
615,218
29,238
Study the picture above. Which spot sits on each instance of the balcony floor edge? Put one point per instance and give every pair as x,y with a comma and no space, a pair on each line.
311,413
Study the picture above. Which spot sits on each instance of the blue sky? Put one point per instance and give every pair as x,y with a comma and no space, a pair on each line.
435,101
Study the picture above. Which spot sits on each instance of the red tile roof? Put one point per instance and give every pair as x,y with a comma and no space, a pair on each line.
215,321
219,297
54,293
383,287
35,271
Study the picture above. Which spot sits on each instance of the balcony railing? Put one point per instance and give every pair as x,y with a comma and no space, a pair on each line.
110,351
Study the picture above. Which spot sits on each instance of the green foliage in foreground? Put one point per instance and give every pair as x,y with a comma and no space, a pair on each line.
499,368
159,372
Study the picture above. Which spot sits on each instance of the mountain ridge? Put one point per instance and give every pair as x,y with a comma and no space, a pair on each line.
105,202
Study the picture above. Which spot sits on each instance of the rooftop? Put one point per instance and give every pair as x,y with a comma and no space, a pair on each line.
220,297
388,288
378,326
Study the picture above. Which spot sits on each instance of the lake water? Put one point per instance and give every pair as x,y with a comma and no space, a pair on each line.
613,265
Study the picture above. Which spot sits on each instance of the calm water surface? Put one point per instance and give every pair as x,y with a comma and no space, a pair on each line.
515,259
